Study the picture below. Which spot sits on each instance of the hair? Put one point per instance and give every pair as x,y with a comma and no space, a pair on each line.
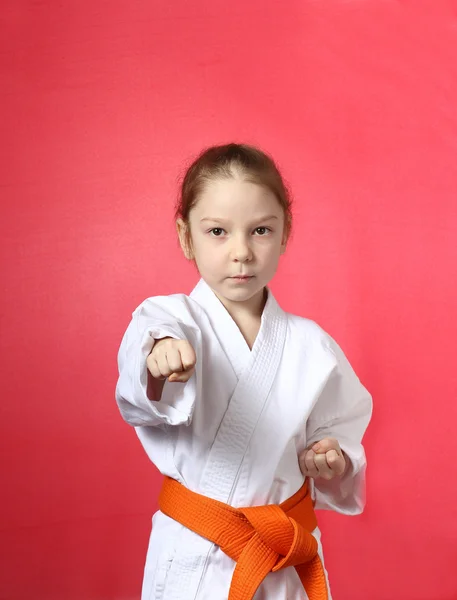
227,162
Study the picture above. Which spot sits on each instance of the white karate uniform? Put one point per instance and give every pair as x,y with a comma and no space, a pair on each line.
234,431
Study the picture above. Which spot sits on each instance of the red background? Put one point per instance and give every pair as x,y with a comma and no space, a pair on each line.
103,104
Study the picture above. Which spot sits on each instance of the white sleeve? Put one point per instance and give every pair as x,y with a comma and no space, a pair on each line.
343,412
156,318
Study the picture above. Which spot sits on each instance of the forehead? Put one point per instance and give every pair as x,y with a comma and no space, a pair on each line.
236,197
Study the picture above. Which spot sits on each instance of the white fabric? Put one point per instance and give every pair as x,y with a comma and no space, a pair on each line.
234,431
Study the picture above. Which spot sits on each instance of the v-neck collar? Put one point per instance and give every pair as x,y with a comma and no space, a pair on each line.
256,371
228,332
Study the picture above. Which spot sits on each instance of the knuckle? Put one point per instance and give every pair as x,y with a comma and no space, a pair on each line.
174,364
188,364
164,365
183,344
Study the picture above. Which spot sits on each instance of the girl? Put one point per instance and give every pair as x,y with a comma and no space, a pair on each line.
254,415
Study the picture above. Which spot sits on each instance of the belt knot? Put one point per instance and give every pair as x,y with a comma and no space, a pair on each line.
290,541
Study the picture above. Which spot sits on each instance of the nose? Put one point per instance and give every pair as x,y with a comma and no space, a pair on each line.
241,250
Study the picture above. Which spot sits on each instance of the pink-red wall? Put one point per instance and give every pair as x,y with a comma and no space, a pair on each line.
103,102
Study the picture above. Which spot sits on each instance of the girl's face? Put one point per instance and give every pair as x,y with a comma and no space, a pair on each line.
237,235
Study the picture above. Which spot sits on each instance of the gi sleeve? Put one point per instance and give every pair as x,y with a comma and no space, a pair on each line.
342,411
156,318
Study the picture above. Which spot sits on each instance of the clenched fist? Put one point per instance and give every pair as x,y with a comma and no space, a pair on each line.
172,359
323,459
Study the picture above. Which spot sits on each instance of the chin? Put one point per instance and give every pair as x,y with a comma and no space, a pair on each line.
241,295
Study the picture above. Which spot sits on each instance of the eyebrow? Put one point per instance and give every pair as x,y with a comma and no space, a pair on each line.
259,220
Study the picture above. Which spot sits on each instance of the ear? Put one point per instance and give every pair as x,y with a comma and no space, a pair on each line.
285,237
184,238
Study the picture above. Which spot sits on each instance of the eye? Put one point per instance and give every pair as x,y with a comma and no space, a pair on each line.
216,231
262,230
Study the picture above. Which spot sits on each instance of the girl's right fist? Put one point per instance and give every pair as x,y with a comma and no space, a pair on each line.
172,359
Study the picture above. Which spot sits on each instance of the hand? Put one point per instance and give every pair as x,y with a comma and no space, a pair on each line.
323,459
172,359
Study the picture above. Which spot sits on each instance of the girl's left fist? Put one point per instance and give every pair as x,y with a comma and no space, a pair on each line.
323,459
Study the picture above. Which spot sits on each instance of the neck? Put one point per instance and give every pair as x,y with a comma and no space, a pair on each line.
252,308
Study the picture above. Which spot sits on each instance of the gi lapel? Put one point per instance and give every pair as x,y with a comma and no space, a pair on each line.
256,371
230,337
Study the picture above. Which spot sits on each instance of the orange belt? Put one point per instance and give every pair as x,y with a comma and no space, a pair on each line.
259,539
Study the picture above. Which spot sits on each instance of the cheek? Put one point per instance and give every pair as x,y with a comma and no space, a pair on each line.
198,244
203,245
269,252
207,254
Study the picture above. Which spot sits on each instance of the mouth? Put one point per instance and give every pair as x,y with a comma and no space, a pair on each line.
242,278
